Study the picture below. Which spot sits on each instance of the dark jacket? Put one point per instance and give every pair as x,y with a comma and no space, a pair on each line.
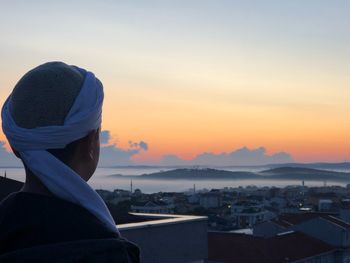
33,225
89,251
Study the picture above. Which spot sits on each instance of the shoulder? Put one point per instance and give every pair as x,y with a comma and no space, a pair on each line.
94,250
49,210
25,205
8,204
28,219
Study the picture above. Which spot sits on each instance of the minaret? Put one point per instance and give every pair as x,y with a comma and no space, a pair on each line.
5,174
194,188
131,186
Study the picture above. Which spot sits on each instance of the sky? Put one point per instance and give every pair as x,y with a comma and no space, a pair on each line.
187,80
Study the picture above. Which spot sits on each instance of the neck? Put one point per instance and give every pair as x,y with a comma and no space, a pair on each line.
34,185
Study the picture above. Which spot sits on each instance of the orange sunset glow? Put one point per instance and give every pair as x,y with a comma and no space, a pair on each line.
199,77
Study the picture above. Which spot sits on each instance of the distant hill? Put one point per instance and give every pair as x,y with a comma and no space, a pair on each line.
280,173
317,165
304,174
326,166
8,186
206,173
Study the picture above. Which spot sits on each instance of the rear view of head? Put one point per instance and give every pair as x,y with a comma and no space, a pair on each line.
44,97
52,120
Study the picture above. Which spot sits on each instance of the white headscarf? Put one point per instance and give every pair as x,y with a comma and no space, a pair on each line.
61,180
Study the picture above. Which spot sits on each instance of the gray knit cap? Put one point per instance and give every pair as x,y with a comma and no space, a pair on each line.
44,95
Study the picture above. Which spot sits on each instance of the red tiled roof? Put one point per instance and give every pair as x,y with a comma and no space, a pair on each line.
337,221
294,219
287,220
232,247
282,222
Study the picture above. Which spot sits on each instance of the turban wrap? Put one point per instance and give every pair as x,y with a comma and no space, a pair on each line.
84,116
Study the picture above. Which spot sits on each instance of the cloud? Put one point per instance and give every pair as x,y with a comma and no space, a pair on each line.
240,157
105,136
143,145
8,158
112,155
172,160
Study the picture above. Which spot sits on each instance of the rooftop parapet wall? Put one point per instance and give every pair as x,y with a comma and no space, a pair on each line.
171,238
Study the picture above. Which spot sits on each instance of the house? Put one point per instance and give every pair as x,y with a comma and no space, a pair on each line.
193,198
325,204
286,247
327,228
330,230
344,210
248,213
284,222
322,226
269,228
153,207
210,200
277,202
114,197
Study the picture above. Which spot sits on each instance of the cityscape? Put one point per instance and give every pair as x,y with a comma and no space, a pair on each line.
175,131
306,223
292,215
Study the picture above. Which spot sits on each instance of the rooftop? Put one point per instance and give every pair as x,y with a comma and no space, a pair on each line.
287,220
292,246
155,220
167,238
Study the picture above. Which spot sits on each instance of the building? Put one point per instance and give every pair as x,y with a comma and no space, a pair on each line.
193,198
210,200
322,226
248,213
286,247
137,192
277,202
115,197
270,228
153,207
170,239
327,228
283,223
325,205
344,210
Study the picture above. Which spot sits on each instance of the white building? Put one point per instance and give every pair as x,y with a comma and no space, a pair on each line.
210,200
193,198
247,213
325,204
115,197
153,207
278,202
